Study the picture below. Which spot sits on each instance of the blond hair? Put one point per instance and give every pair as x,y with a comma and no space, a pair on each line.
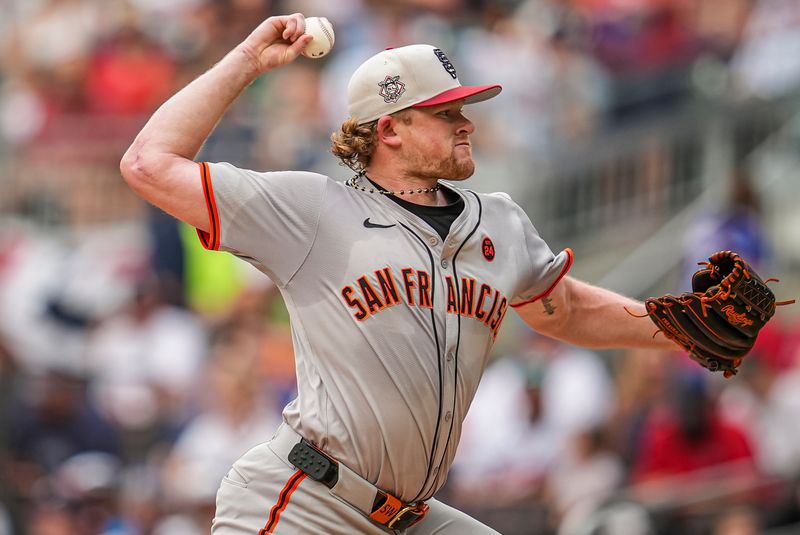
353,144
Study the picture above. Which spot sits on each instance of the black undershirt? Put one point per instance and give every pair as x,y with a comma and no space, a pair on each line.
440,218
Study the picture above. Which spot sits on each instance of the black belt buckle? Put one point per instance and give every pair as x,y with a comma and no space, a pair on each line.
408,516
311,460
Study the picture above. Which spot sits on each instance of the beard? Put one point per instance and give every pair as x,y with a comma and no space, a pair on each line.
452,168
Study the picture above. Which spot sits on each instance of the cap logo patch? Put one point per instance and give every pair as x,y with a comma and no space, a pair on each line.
487,247
391,89
451,70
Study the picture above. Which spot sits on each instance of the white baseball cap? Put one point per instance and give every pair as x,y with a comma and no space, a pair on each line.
414,75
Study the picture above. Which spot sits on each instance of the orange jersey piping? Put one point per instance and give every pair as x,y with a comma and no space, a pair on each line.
555,282
210,240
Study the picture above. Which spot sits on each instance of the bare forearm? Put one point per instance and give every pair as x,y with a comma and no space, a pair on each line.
182,124
603,318
159,163
589,316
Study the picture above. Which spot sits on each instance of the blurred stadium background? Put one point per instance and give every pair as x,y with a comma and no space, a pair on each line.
645,134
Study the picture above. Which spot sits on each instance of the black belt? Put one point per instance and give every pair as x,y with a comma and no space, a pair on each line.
387,510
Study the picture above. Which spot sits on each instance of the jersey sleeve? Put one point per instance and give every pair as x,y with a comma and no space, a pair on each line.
268,219
543,269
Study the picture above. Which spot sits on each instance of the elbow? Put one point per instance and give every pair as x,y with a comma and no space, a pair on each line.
137,168
130,166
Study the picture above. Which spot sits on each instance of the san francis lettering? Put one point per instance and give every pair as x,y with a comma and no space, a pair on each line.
470,298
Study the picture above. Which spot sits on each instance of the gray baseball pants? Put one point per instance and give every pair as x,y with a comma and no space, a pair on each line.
263,493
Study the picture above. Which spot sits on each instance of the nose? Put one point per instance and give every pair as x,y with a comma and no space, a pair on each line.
465,126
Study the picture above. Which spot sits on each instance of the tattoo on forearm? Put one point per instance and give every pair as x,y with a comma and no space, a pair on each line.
547,303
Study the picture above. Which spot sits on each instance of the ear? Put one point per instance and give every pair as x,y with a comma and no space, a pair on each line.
386,132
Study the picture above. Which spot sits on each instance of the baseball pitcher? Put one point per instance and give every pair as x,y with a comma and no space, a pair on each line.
397,283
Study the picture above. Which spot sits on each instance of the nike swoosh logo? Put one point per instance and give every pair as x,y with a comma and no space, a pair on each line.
370,224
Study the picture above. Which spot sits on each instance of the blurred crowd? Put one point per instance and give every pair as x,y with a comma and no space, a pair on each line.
136,367
569,68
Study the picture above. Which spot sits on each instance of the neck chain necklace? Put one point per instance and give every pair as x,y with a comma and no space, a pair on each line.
353,183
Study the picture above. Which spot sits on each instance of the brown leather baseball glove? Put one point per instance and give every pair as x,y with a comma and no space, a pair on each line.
718,322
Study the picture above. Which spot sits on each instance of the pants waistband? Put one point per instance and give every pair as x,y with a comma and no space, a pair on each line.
350,487
379,506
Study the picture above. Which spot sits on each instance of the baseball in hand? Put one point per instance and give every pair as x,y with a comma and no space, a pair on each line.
321,30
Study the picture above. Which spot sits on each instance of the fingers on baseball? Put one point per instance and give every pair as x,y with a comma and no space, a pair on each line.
297,47
295,27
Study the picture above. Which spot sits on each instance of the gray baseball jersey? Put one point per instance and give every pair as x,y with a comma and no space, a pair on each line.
391,325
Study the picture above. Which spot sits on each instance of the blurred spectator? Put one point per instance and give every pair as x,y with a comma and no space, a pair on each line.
88,484
62,32
559,96
57,284
649,46
736,226
767,63
584,477
513,457
693,462
644,37
54,420
140,497
642,383
535,406
581,93
616,518
128,75
296,135
760,400
689,436
781,441
144,362
22,112
241,411
52,50
577,394
168,258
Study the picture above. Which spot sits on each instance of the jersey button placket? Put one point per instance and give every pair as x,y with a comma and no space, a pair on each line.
448,392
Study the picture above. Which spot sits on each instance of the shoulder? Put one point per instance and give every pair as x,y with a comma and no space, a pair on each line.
302,176
495,202
500,198
497,197
225,168
227,179
301,180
